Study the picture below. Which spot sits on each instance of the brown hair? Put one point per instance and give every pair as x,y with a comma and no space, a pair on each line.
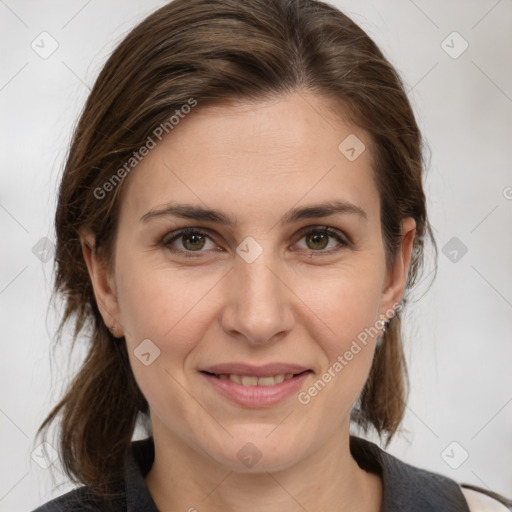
213,51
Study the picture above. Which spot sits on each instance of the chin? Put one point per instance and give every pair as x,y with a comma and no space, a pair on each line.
255,451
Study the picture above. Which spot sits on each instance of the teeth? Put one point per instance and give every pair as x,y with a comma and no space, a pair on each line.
265,381
279,378
247,380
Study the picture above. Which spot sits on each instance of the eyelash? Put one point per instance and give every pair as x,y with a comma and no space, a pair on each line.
325,230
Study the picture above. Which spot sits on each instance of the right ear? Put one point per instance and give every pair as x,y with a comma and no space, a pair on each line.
103,283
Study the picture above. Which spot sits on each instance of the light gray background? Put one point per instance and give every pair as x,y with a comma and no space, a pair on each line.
459,345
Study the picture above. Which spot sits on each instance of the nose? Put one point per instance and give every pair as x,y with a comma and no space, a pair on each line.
259,304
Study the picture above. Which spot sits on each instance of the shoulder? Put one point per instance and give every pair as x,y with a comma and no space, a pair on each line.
80,499
74,500
129,492
480,501
408,487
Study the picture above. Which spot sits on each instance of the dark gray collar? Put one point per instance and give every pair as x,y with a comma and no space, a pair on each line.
405,488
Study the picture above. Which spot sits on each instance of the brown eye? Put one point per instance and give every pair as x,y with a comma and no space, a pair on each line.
193,242
318,240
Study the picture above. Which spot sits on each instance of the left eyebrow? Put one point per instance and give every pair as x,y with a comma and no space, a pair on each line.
187,211
323,210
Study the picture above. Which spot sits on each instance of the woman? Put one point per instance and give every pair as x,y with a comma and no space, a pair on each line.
240,219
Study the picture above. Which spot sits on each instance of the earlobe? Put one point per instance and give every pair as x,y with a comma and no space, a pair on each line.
103,283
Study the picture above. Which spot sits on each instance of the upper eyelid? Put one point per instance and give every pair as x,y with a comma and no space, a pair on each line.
176,234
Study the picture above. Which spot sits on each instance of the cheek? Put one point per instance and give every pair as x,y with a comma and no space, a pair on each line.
176,304
168,306
172,310
348,305
348,301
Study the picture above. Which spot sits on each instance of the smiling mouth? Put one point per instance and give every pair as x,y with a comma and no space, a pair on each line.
251,380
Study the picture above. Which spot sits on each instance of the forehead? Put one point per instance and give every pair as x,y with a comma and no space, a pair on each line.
256,158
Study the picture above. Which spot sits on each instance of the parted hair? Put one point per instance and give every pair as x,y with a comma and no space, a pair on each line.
215,51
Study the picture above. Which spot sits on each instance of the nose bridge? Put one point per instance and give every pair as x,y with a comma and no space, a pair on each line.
260,303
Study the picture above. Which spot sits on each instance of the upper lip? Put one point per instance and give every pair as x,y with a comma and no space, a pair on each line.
266,370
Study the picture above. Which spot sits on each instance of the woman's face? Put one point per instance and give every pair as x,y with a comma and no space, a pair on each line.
263,292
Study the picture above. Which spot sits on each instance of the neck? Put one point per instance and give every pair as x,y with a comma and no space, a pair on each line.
183,479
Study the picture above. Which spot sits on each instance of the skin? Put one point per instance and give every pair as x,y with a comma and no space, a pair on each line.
254,161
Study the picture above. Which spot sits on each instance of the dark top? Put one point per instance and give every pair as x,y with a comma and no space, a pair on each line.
406,488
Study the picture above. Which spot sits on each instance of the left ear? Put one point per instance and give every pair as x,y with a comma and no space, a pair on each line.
396,276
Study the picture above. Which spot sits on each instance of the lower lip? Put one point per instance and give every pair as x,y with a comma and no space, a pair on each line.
257,396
